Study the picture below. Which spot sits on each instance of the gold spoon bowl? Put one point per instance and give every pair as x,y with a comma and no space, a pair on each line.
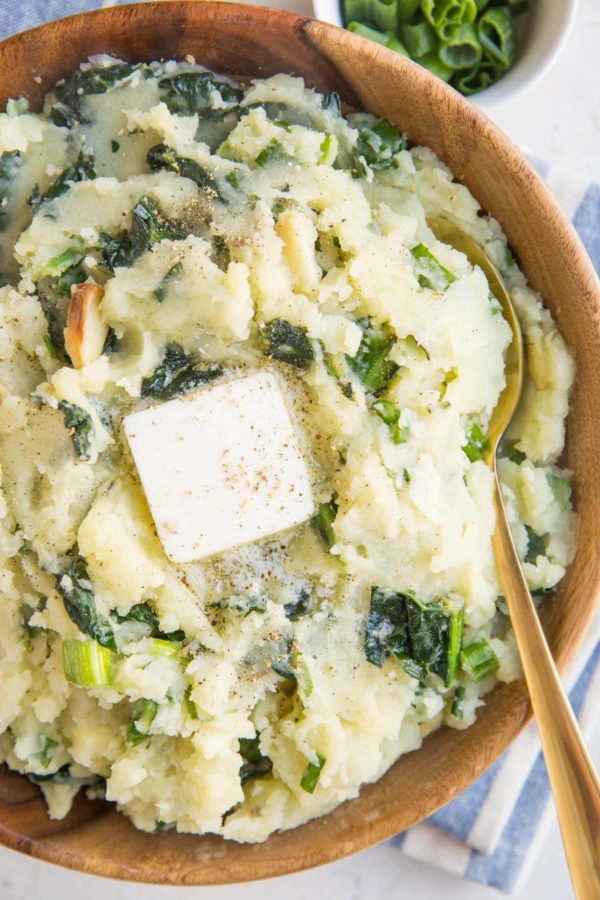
573,779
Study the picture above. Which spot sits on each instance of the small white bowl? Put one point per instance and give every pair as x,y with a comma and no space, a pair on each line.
544,30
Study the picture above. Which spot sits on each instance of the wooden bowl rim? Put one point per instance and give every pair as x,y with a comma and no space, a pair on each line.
371,832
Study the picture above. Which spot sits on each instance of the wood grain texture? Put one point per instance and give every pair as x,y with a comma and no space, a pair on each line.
250,40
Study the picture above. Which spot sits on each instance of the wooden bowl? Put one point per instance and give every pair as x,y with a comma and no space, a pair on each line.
254,41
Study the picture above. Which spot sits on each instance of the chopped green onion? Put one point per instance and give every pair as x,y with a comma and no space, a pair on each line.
87,663
192,709
477,79
159,647
142,717
407,9
323,521
463,51
386,40
312,774
430,272
478,660
477,443
383,14
419,39
390,414
497,36
432,62
448,16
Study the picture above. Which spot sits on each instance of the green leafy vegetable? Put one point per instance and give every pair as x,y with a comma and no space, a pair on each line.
87,663
478,660
170,278
287,343
332,102
67,110
115,146
424,637
191,92
273,152
537,545
255,765
142,717
299,607
242,603
9,163
510,452
390,414
81,170
477,443
220,253
31,631
80,426
163,157
80,605
140,612
177,374
561,489
323,521
430,273
457,702
46,754
192,709
371,365
312,773
377,146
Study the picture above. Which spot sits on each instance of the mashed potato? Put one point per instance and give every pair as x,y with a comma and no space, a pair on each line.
224,231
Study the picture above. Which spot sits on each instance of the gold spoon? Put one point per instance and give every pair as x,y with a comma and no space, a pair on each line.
573,779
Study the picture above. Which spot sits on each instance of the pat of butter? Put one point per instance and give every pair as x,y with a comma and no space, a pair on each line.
221,467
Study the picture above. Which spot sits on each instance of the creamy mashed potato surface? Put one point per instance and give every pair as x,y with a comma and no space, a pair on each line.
220,232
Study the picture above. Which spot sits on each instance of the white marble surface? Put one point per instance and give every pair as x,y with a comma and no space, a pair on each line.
558,120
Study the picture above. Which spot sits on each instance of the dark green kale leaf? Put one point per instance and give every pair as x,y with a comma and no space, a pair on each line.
67,110
220,254
63,776
370,364
163,157
299,607
81,427
280,657
288,343
376,146
190,92
537,545
429,270
9,163
332,102
149,226
255,765
80,605
27,611
140,612
387,626
81,170
177,374
424,637
242,603
170,278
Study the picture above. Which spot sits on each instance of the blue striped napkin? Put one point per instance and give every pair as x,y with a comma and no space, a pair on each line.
492,831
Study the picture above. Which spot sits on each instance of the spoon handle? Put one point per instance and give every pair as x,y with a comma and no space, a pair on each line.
573,779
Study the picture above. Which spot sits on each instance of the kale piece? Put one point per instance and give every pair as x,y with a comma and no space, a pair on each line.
477,442
190,92
332,102
81,170
149,226
142,717
170,278
163,157
9,163
242,603
387,626
81,427
220,253
287,343
430,272
312,773
376,146
423,637
63,776
537,545
255,765
80,604
67,110
140,612
370,364
299,607
27,611
177,374
323,521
